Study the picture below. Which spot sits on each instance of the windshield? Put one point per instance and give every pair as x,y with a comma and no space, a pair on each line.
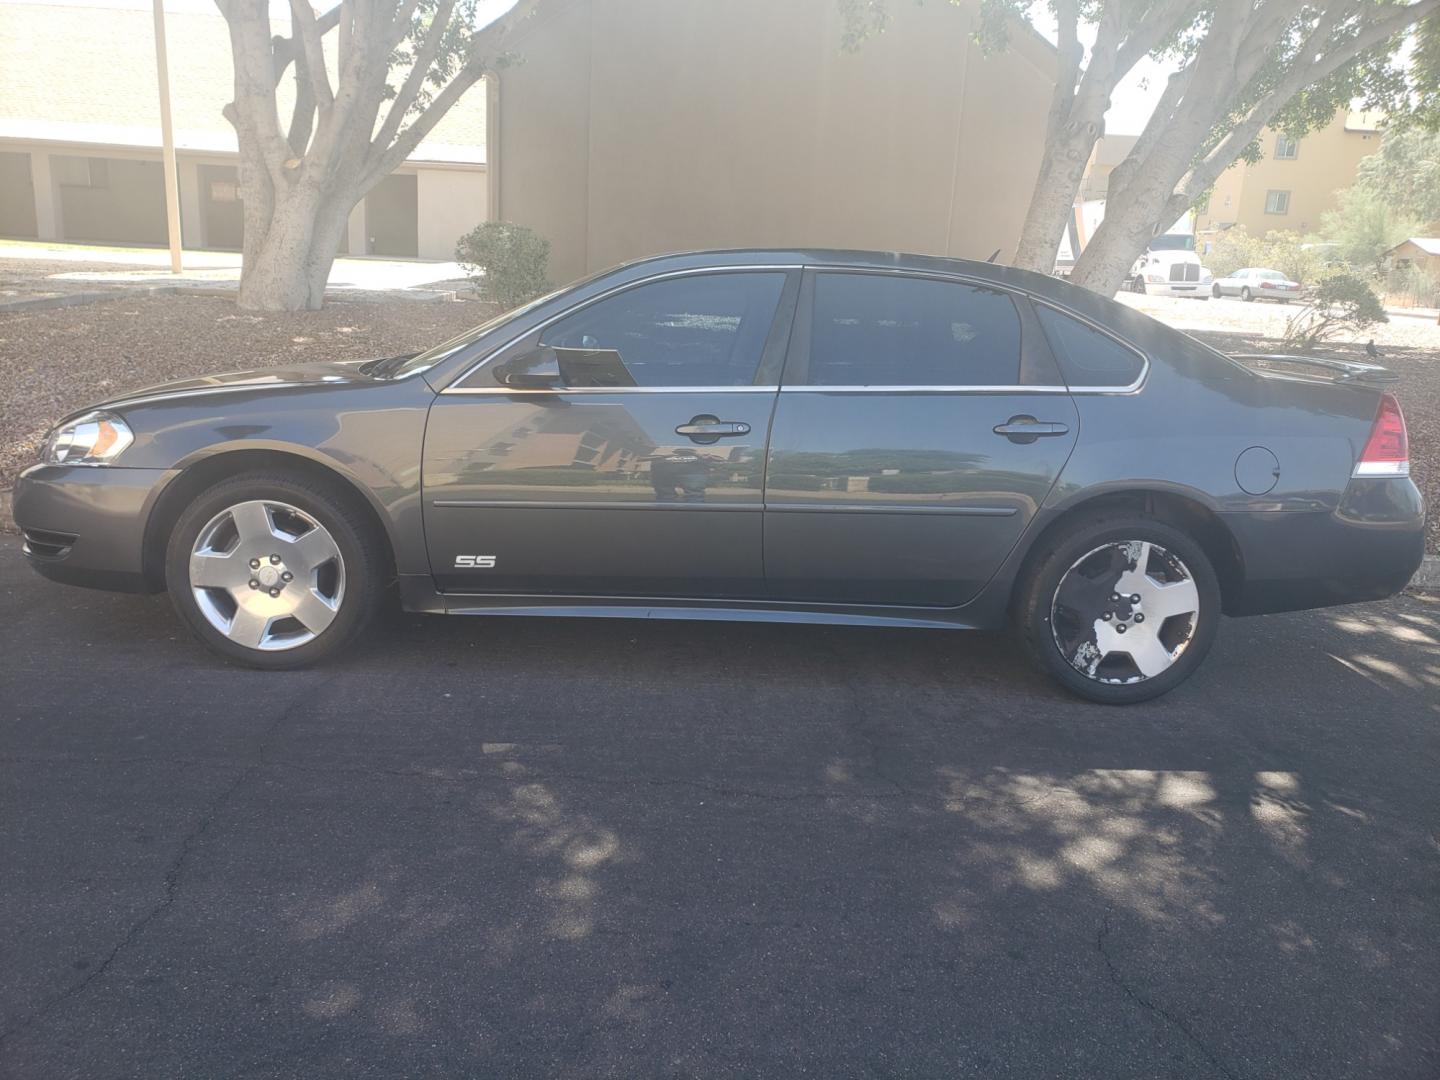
428,359
1173,242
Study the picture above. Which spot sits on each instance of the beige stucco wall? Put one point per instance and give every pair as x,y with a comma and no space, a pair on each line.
641,126
451,203
1326,163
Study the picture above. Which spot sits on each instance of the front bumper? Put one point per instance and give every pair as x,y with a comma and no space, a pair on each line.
1177,288
85,525
1367,549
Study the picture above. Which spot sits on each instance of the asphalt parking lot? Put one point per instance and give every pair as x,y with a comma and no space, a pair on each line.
535,848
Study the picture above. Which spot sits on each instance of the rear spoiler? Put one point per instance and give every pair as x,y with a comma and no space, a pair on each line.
1340,370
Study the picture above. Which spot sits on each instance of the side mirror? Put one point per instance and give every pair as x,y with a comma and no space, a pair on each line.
538,369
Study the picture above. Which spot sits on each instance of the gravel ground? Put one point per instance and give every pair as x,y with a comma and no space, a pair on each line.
52,362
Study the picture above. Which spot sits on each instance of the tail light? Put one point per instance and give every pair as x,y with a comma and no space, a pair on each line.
1267,285
1387,451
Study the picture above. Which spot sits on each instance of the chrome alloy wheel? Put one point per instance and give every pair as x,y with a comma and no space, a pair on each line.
267,575
1125,612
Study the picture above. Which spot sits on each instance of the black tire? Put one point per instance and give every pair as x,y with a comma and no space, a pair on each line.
1215,291
355,535
1068,545
1246,294
1138,285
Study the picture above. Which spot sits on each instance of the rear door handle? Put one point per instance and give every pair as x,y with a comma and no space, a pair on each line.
1026,429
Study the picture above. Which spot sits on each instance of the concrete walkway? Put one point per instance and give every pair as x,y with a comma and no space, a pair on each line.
150,267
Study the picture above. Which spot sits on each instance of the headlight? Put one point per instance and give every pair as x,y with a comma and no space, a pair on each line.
97,438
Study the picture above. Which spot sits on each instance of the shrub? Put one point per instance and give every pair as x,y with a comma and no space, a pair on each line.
1284,251
506,262
1340,304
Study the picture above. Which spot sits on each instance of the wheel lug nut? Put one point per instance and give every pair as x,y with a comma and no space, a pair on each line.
1108,616
254,564
1134,598
1114,597
274,592
287,576
1120,628
1139,617
274,560
254,584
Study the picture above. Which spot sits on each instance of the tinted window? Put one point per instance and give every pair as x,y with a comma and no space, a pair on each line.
701,330
1086,356
884,330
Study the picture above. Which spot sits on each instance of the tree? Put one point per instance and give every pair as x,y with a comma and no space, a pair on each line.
1404,177
1364,227
1243,65
299,183
1240,65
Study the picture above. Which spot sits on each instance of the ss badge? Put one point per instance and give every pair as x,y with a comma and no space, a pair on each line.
474,562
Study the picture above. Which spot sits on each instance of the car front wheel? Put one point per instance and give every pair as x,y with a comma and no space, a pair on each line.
1138,285
274,571
1246,294
1119,608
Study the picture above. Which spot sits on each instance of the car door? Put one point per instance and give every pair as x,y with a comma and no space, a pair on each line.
921,422
618,450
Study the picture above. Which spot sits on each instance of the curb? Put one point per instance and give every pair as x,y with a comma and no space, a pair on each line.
76,299
1427,578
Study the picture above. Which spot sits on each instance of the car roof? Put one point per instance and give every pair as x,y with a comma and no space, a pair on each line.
1006,276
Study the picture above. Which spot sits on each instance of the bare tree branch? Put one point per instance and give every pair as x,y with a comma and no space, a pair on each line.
410,89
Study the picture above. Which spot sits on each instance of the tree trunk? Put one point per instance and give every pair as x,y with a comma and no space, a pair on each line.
289,266
1052,203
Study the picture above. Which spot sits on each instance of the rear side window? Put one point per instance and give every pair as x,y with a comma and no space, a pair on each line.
1086,356
889,330
695,330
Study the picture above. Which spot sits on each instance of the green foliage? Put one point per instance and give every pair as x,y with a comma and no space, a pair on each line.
1405,174
1363,227
1343,304
1287,252
506,262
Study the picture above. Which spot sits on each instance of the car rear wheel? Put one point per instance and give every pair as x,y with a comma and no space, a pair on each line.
274,571
1119,608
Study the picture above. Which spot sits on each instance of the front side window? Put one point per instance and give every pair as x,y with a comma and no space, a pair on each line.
1277,202
1086,356
891,330
695,330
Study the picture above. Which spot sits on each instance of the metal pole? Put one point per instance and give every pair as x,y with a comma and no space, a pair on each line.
167,141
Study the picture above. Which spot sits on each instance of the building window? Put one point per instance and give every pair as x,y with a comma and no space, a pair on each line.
1277,202
1286,148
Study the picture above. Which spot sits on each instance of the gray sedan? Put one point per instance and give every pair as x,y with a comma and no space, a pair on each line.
792,436
1257,283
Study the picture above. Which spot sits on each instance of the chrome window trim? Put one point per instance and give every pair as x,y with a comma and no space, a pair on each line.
921,389
614,390
453,387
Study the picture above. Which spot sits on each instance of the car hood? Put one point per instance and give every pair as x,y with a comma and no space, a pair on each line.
262,379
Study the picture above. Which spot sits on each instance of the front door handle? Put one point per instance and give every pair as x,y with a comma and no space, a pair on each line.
1026,429
710,429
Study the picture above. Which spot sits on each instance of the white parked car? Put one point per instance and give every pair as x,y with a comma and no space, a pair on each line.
1257,283
1170,267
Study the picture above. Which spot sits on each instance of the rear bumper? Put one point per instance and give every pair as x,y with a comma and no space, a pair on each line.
1367,549
85,525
